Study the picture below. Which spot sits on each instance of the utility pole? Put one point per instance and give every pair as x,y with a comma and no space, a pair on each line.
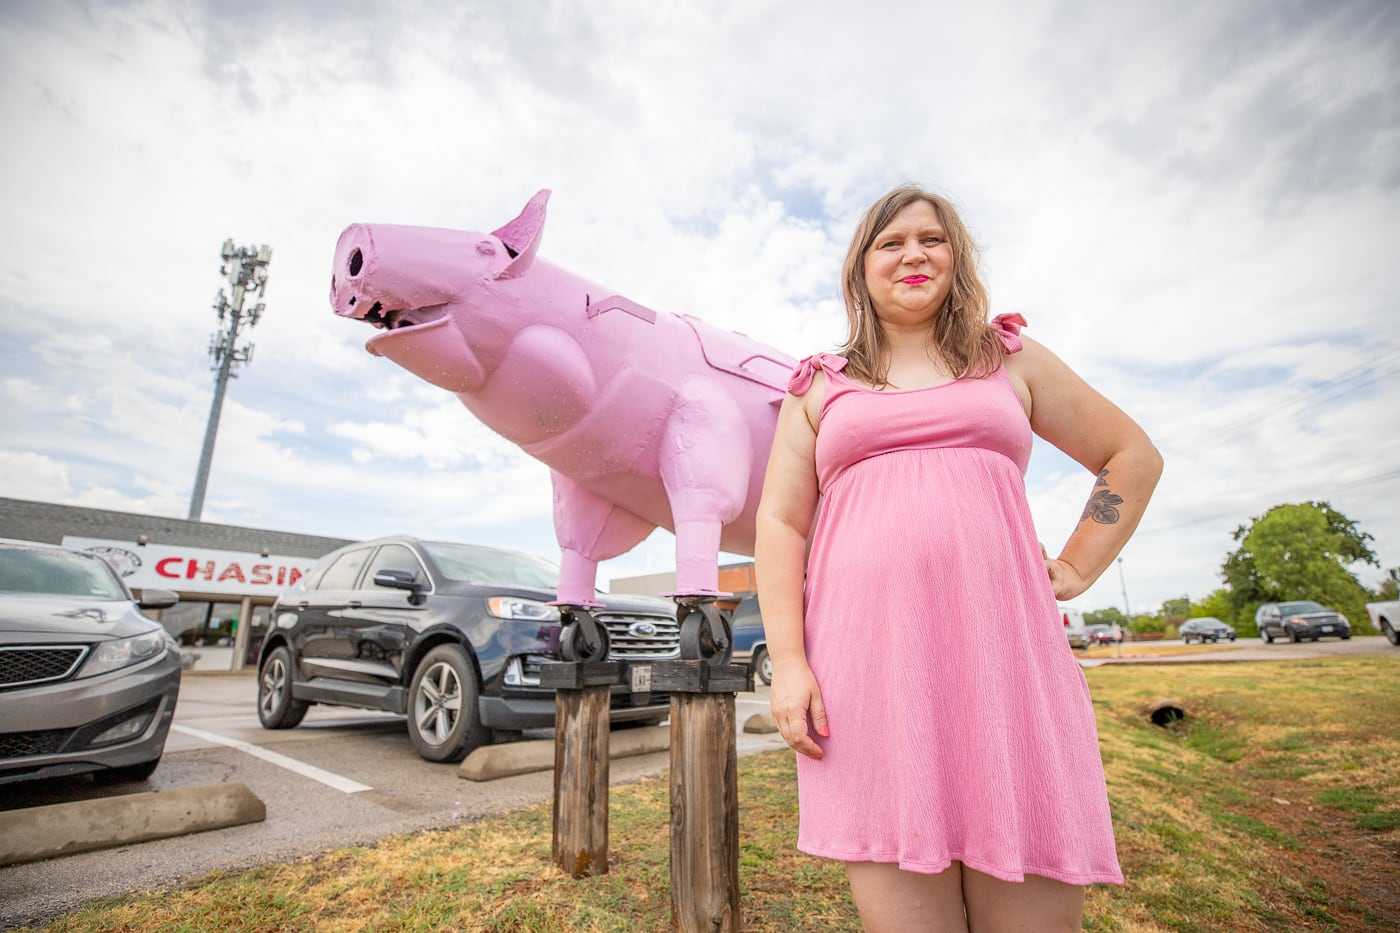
1126,607
1124,582
246,268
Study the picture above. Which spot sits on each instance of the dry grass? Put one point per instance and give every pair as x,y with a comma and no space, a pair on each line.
1272,806
1147,649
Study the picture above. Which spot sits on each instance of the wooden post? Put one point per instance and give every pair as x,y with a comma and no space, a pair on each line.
704,793
582,701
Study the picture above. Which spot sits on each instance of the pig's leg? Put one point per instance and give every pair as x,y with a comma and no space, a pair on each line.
589,529
705,462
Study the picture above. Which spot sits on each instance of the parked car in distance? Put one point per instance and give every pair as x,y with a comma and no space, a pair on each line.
451,635
750,643
1299,619
88,683
1101,634
1205,628
1386,618
1075,629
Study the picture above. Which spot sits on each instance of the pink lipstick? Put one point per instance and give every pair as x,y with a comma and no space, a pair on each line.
914,279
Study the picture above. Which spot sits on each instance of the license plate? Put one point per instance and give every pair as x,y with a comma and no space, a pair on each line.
641,678
1327,628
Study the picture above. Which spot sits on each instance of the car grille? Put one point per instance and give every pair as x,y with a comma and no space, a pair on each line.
26,665
641,638
29,744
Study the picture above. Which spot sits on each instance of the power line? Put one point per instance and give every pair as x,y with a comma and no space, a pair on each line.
1350,381
1365,481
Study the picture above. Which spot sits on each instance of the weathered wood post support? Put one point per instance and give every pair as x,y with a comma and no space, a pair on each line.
582,703
704,772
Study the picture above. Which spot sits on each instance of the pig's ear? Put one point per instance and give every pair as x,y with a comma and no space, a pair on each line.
522,236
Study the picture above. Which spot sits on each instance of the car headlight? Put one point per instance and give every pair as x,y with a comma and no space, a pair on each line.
114,655
522,610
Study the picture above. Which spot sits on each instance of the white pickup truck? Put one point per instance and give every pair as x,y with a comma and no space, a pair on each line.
1386,617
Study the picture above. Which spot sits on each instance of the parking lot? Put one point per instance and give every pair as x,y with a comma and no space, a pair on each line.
344,777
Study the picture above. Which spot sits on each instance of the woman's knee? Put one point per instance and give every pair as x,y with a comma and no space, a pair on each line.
891,899
1036,904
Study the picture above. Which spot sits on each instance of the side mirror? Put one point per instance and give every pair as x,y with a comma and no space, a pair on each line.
401,580
157,599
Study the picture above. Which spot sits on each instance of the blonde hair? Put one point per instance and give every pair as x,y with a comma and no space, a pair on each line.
959,334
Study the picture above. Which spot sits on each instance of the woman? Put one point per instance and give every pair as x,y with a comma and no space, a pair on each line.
947,746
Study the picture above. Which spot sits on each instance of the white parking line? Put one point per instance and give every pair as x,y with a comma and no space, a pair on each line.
282,761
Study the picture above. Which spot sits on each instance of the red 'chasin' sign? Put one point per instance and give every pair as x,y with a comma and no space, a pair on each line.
258,574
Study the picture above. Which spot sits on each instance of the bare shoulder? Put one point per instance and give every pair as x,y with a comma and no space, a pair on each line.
1030,369
1034,360
813,399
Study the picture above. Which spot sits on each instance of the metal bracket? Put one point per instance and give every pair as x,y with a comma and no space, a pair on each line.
582,638
705,632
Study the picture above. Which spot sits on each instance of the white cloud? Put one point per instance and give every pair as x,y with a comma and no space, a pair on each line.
1196,215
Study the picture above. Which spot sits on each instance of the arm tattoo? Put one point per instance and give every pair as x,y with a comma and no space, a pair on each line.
1102,506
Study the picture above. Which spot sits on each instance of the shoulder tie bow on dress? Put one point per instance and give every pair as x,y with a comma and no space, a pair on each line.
1008,331
801,379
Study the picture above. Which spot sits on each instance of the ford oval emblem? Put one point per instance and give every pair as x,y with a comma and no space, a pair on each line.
641,629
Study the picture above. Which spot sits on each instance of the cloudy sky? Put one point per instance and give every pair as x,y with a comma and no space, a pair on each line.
1196,205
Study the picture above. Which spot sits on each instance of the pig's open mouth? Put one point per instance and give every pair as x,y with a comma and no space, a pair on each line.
396,318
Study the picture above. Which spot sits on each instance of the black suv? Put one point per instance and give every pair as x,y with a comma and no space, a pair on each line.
1299,619
452,635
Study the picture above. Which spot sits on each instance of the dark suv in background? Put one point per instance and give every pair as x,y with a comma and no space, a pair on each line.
749,640
452,635
1299,619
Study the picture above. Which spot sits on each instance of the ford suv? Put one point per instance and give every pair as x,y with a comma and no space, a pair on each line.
450,635
1300,619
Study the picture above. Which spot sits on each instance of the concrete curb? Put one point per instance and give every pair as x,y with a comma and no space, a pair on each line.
497,761
760,724
83,825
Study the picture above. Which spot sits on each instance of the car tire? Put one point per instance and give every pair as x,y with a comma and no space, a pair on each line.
1390,634
1293,635
444,719
763,666
129,774
1264,634
276,707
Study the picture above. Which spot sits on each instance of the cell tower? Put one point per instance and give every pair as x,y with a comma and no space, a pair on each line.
246,268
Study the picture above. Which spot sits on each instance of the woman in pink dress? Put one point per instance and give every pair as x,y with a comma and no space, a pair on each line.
947,746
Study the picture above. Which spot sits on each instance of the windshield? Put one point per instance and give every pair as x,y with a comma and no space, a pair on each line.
57,573
470,564
1298,608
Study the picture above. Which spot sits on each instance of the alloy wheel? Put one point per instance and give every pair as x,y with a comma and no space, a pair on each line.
439,702
274,682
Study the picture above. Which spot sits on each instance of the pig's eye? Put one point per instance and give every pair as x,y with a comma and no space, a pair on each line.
486,248
357,262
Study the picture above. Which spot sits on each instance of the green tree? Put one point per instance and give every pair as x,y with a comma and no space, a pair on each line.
1218,605
1390,587
1298,551
1176,611
1106,617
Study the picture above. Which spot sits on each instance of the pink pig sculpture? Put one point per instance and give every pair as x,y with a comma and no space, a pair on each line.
645,419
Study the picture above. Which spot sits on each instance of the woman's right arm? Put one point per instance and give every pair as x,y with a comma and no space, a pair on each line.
785,515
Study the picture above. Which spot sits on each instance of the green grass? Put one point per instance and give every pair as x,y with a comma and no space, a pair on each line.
1271,806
